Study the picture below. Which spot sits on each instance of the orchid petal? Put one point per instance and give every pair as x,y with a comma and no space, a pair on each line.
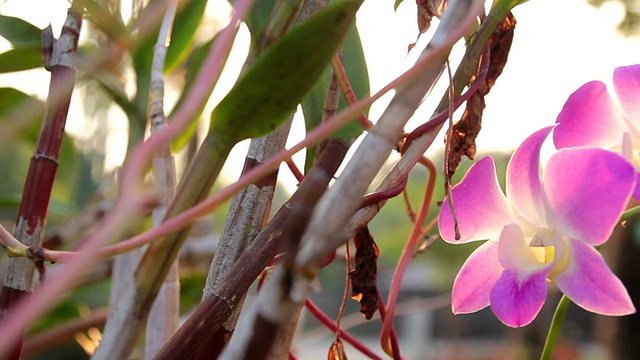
516,298
589,118
473,284
480,206
518,295
626,81
589,282
513,251
524,190
587,189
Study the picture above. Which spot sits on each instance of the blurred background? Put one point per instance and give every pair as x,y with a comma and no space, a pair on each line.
558,46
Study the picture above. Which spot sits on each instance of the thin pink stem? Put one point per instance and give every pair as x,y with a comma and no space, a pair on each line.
294,170
198,95
393,339
406,256
329,323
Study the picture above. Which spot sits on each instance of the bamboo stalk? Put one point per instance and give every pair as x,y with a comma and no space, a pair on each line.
249,209
248,212
217,307
287,287
164,313
58,56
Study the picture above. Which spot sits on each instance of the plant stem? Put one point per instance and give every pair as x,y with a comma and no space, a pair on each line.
217,307
407,255
343,334
59,57
164,313
554,329
630,213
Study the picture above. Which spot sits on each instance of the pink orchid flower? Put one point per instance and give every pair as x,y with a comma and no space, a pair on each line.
542,232
592,117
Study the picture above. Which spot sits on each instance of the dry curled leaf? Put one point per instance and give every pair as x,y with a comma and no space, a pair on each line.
336,352
427,10
465,131
364,276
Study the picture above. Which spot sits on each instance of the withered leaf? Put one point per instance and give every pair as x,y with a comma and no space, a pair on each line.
465,131
427,10
336,351
364,275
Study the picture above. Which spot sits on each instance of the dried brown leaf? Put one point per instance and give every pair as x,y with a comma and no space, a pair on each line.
336,351
427,10
364,276
465,131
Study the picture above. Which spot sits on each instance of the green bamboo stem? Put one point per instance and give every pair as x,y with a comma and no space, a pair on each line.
554,329
164,313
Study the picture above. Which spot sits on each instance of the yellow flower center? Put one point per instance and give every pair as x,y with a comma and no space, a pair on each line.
543,246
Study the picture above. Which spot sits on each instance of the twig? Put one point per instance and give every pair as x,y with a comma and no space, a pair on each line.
12,246
345,86
447,151
249,209
332,326
392,338
407,254
130,321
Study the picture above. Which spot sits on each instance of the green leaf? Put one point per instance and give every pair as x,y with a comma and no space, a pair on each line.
193,65
12,99
356,69
184,27
20,59
19,33
283,74
396,4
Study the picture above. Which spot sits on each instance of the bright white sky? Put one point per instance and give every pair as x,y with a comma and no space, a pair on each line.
558,46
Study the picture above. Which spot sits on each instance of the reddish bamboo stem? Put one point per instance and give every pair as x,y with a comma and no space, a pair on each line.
29,229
